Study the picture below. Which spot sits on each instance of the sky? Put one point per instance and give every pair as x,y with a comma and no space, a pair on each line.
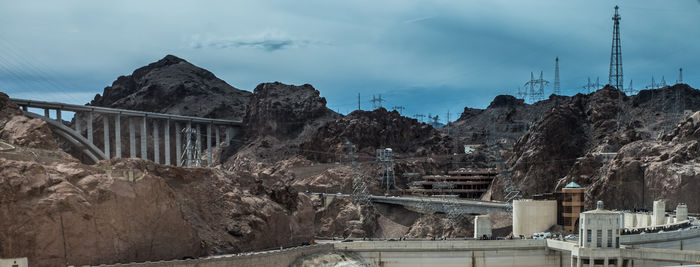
430,57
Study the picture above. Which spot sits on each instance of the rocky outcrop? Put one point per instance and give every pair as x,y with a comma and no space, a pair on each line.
279,118
648,170
23,131
175,86
371,130
589,137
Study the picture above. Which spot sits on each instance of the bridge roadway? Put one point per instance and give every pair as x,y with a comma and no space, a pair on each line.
437,204
85,142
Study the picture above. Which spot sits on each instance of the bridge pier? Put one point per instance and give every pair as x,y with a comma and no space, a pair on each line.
105,123
178,145
198,145
46,113
188,138
156,145
229,133
117,137
77,125
132,138
89,127
144,153
218,139
166,140
58,115
209,144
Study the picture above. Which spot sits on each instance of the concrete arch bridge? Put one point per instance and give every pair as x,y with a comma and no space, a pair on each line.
154,132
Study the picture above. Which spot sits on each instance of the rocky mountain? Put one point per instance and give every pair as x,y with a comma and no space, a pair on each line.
370,130
174,86
279,118
584,136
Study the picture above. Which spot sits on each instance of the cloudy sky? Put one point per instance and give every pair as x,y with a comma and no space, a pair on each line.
428,56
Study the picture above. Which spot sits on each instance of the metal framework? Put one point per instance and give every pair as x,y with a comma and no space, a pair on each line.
385,156
557,88
616,78
360,194
536,92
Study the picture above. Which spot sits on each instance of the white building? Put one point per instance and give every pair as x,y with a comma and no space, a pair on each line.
600,228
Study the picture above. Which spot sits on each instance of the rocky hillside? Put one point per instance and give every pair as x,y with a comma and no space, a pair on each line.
579,136
279,118
58,211
370,130
174,86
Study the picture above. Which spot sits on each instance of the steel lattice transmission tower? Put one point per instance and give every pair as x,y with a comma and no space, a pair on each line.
557,88
616,78
536,94
360,194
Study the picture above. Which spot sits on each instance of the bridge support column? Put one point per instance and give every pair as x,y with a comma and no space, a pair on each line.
218,139
229,133
166,140
178,145
209,144
156,145
58,115
117,137
198,145
46,113
25,108
105,123
77,124
144,153
188,143
89,127
132,138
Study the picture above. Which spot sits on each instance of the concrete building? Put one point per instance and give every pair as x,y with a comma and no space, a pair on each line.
659,214
482,226
532,216
600,237
572,206
16,262
681,212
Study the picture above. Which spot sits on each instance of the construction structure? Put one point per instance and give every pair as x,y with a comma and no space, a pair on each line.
557,88
616,77
463,183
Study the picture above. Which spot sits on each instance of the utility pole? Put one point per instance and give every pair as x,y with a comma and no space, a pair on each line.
435,120
557,89
680,76
377,101
358,102
399,108
419,117
522,94
448,122
536,94
616,78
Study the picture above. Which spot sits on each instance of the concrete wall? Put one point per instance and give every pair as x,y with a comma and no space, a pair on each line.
531,216
659,215
16,262
458,253
281,258
686,239
482,226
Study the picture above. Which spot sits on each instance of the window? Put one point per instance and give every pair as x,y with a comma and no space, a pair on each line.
610,238
599,238
617,242
588,235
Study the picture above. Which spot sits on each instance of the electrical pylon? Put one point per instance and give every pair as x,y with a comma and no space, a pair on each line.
616,78
557,89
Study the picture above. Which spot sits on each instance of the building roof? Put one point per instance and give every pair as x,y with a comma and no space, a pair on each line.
572,185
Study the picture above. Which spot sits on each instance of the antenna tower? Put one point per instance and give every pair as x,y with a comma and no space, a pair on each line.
615,78
557,89
680,76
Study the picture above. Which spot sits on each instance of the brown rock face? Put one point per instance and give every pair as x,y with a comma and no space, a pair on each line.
580,136
370,130
23,131
279,118
175,86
